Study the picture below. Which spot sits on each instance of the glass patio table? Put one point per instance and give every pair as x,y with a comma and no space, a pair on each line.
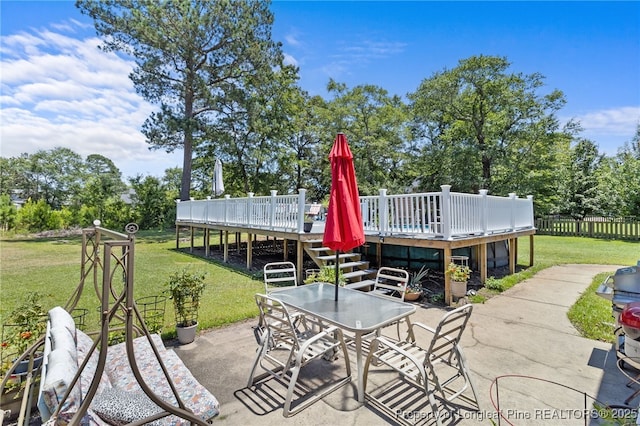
355,311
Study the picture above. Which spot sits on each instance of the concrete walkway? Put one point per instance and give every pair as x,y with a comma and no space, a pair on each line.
522,336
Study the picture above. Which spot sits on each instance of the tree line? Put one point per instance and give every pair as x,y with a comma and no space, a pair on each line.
58,189
223,91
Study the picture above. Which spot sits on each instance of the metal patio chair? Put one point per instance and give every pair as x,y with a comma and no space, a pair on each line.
285,349
391,282
442,356
279,275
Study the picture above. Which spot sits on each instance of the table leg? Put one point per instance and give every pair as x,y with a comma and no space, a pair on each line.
359,368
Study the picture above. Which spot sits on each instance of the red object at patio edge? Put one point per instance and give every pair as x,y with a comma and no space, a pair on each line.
343,229
630,315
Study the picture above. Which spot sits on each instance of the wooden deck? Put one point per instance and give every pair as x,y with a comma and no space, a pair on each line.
442,221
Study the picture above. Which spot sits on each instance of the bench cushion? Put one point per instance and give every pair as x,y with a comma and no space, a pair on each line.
61,370
86,376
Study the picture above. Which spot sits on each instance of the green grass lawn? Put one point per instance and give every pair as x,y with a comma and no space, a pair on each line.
591,315
52,266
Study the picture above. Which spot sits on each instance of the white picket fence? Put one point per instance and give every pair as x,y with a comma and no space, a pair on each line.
444,214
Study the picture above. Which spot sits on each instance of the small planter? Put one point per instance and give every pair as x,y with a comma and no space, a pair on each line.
186,334
308,226
458,289
185,289
23,366
410,297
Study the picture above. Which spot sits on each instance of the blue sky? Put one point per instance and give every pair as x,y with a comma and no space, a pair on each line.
58,89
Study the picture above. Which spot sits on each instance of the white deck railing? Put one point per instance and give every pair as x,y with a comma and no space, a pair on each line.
444,214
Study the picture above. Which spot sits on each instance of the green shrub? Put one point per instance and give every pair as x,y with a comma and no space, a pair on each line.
8,213
494,284
35,216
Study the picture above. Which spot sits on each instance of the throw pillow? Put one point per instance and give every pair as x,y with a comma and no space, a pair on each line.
119,407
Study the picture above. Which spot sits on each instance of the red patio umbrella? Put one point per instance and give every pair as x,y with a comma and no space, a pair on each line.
343,229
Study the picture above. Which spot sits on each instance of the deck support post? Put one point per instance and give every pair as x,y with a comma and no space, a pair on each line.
512,255
207,238
225,256
531,250
299,259
448,298
285,248
249,250
192,229
482,262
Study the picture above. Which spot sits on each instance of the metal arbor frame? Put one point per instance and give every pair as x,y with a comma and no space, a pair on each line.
108,260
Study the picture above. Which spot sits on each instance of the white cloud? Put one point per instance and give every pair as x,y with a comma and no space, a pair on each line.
609,128
290,60
59,91
292,40
616,121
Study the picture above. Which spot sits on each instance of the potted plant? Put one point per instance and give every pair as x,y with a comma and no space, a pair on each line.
23,327
308,223
459,275
326,274
414,288
185,289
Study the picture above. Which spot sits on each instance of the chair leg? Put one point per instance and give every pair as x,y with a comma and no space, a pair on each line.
292,385
467,377
260,352
433,403
373,347
295,371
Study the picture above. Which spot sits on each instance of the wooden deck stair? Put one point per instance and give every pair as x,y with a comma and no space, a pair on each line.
355,271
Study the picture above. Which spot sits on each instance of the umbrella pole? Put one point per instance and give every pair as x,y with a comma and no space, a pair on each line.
337,273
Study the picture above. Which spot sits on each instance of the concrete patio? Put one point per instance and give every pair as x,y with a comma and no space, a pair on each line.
522,335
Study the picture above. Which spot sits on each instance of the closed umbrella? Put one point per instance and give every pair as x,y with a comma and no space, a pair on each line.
343,229
218,184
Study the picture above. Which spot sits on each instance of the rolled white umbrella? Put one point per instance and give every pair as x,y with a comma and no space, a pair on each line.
218,184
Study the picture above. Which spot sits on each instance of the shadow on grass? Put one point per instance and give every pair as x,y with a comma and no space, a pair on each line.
232,266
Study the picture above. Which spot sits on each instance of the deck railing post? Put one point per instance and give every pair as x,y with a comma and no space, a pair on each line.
513,198
272,209
302,194
531,218
383,213
445,206
226,209
484,211
249,207
206,210
191,209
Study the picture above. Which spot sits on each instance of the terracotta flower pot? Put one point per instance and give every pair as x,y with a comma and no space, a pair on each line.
410,297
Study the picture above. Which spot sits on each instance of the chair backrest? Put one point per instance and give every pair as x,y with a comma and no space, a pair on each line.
279,274
449,331
391,282
275,317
